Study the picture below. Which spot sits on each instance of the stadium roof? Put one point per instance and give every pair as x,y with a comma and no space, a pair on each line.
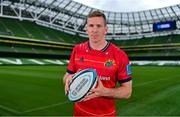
70,16
128,5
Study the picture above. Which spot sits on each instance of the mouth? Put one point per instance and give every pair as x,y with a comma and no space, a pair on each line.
95,36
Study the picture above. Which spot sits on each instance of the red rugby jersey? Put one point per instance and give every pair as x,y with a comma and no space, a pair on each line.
111,65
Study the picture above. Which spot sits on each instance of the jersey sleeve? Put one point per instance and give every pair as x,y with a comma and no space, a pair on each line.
124,69
71,65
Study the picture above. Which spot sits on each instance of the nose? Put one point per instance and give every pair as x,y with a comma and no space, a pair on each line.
95,29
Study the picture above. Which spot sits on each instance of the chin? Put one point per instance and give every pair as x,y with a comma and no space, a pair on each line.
94,40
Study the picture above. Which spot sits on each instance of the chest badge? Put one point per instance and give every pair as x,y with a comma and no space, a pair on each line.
109,63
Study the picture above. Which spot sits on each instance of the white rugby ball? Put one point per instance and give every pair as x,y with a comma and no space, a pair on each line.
81,84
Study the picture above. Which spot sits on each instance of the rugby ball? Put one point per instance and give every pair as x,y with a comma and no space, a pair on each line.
81,84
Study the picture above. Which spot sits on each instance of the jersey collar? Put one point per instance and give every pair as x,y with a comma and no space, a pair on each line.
102,50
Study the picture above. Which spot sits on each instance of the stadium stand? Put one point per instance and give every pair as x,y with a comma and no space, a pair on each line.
30,30
39,29
43,32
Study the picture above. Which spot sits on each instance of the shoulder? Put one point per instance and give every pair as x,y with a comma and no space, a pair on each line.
117,50
119,54
81,46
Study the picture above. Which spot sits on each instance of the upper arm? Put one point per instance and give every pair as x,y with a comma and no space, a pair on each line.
71,65
124,68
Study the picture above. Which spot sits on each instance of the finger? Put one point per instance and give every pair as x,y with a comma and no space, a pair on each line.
66,90
93,90
99,85
89,93
88,97
69,80
66,87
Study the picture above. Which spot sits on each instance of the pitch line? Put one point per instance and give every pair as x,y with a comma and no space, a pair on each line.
9,109
149,82
119,109
45,107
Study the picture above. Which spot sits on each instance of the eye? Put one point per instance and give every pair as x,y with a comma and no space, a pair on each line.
99,25
91,25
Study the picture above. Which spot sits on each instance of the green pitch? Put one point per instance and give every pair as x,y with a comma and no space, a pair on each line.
39,90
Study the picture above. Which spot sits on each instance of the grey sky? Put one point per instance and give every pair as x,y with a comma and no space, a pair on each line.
128,5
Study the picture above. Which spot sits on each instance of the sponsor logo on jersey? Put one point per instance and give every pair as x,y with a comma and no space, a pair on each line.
104,78
81,59
109,63
128,69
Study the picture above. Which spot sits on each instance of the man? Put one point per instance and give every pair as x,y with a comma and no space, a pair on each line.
111,65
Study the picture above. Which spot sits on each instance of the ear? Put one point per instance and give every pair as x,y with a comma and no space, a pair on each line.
106,30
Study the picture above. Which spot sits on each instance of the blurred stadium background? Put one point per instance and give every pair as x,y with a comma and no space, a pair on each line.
36,40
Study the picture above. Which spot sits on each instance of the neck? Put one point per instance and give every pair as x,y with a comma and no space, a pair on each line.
98,45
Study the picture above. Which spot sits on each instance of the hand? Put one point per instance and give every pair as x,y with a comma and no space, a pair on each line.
67,81
99,91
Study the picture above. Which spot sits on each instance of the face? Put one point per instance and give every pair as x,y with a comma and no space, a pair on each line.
96,29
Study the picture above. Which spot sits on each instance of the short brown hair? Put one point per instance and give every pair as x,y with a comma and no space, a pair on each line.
97,14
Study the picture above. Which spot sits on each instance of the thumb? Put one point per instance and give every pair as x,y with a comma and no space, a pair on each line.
100,82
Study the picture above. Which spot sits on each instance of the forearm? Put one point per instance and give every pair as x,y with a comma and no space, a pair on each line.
65,77
66,80
122,92
119,93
